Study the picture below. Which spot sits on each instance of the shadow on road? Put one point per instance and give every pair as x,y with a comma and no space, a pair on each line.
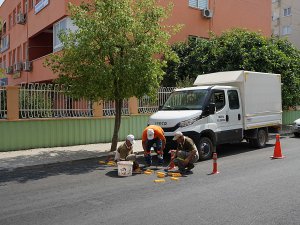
22,175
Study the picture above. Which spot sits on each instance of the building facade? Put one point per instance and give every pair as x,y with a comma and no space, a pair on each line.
30,29
286,20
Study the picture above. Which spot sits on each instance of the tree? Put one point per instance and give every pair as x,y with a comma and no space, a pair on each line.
115,53
239,49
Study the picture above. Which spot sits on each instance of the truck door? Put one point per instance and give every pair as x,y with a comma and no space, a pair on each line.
234,116
219,118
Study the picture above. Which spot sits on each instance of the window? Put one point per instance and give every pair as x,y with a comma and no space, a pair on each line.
4,43
14,17
200,4
233,99
58,28
287,11
25,52
25,5
19,8
14,55
218,97
19,54
4,28
3,63
10,58
31,4
286,30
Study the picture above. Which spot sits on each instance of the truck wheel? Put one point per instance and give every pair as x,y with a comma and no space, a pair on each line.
205,148
260,140
297,134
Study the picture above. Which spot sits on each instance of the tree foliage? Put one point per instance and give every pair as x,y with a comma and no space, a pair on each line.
115,52
239,49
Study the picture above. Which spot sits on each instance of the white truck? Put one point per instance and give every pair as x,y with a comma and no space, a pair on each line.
223,107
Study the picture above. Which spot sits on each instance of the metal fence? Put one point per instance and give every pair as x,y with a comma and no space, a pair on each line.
3,103
109,108
148,105
38,100
49,101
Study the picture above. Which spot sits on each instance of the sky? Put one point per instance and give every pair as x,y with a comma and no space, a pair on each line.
1,1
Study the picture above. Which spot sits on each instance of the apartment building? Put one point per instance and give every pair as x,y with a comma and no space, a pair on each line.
30,29
286,20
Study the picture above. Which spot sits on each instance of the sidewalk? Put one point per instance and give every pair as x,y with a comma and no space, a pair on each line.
43,156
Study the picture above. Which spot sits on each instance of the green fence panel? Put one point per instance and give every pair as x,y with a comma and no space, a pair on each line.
288,117
28,134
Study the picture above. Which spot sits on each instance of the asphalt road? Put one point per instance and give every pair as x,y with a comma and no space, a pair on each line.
250,189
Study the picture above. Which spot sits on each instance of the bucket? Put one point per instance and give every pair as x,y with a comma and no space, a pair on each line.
125,168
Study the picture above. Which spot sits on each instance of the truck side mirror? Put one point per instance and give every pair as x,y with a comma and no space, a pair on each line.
211,108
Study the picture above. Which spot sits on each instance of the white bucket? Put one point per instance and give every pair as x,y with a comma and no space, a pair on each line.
125,168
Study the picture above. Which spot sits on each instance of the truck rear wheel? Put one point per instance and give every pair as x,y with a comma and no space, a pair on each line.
205,148
260,140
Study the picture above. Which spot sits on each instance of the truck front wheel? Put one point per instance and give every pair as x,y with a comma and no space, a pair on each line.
205,148
260,140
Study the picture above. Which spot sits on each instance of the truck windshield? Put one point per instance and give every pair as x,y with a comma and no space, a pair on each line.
186,100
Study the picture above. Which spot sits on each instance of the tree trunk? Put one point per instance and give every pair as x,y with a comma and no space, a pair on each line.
114,141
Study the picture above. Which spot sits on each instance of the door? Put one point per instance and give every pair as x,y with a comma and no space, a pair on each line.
234,115
219,118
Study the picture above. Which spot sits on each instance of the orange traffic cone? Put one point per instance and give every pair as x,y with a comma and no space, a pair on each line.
215,164
172,164
277,150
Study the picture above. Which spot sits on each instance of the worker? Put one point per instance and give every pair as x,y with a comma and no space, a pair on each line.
153,138
186,153
125,152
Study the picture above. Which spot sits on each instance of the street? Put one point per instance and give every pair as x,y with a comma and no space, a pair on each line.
251,189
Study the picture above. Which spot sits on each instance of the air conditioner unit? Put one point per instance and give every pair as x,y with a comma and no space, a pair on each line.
21,18
27,66
18,67
9,70
207,13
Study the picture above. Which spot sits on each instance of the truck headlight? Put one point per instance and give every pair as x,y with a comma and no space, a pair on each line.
188,122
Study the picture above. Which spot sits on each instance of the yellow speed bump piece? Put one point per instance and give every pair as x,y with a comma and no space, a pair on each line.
176,175
147,172
159,181
111,163
159,175
175,178
101,162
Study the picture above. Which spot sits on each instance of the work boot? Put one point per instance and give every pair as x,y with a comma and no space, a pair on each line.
190,166
148,160
136,168
160,160
180,165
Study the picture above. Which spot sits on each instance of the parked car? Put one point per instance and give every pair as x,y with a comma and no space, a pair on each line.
296,128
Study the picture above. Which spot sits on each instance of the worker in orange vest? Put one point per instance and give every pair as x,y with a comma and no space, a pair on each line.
153,138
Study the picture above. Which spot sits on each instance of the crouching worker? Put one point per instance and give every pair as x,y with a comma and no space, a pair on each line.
125,153
153,137
186,154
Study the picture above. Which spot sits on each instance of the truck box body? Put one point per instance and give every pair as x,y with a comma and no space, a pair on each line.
260,95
